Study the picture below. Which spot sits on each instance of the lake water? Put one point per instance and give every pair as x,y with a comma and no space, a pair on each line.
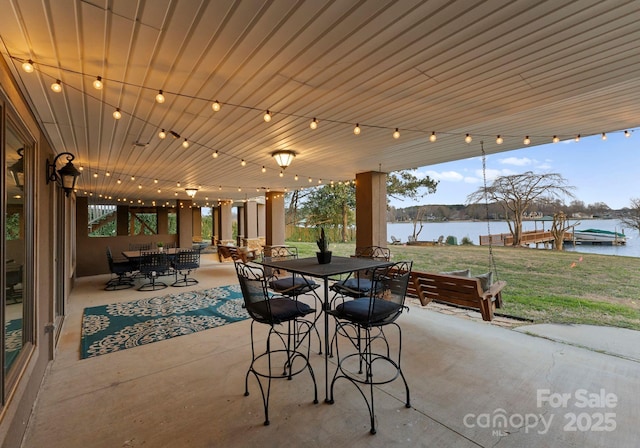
473,229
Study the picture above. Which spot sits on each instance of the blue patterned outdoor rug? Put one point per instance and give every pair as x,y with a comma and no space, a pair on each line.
119,326
13,341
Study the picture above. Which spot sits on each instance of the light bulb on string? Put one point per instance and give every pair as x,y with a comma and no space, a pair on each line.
185,143
97,84
216,106
396,133
162,134
313,124
468,139
627,134
56,86
526,140
215,154
264,170
27,66
281,173
160,97
577,139
243,163
432,137
117,114
499,140
267,116
356,130
604,136
555,139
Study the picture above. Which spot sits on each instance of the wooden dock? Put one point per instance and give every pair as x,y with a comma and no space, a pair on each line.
532,237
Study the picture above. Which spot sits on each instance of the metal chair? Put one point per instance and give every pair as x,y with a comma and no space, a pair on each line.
184,262
293,285
356,319
152,265
122,270
361,283
285,355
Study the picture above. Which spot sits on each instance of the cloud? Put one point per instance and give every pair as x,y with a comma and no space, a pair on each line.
517,161
447,176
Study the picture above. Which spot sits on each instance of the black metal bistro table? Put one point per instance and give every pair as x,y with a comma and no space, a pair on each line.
309,267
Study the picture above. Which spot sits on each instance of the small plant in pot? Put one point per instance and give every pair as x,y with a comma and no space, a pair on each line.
160,246
324,255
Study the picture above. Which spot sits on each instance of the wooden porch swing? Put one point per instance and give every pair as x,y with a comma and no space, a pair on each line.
464,291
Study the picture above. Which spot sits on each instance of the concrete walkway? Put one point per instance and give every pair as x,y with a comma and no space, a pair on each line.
612,341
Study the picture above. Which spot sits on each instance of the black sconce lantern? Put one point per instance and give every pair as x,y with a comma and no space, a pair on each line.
65,176
17,170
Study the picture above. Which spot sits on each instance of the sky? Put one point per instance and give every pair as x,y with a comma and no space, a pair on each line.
601,171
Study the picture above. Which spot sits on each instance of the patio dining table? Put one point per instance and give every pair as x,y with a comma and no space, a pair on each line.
309,267
134,255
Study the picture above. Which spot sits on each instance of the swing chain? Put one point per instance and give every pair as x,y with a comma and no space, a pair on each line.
492,261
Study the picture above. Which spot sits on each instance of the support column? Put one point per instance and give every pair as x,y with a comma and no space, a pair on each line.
226,220
122,220
185,225
371,209
162,214
196,220
274,228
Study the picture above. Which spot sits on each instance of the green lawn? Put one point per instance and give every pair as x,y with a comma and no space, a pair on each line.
542,286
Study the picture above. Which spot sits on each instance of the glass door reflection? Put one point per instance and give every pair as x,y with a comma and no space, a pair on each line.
15,245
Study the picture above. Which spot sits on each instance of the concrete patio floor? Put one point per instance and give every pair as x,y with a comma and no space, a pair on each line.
472,384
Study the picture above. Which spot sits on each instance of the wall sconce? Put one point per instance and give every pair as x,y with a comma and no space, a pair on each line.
191,192
283,158
17,170
66,176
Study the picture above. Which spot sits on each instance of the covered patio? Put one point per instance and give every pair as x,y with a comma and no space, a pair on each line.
184,104
464,376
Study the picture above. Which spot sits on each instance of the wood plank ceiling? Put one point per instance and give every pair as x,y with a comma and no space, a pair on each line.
478,67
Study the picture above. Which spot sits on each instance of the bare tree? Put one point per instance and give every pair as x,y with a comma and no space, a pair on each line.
632,219
516,193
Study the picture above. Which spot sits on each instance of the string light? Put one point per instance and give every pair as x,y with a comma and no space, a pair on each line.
526,140
604,136
160,97
97,84
267,116
215,154
396,133
577,138
28,66
314,123
468,139
627,134
555,139
56,86
264,170
117,114
499,140
243,163
433,137
356,130
295,177
185,143
155,181
216,106
162,134
133,178
281,173
119,181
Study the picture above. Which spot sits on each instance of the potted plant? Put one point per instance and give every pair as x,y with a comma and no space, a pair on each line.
160,246
324,255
